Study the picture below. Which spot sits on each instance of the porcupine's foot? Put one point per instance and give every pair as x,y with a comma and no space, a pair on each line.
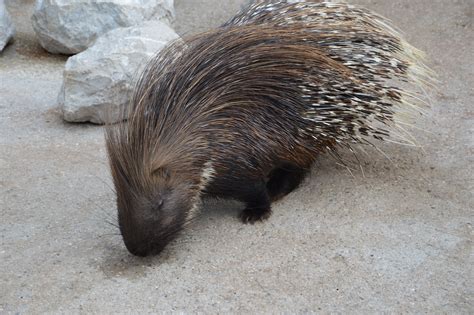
252,215
258,204
284,180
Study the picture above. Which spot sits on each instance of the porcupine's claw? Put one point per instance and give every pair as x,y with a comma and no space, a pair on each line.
252,215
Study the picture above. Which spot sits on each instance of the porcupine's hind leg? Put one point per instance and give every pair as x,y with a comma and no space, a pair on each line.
259,196
284,180
257,200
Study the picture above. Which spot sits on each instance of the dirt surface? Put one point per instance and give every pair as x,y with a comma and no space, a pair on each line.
397,238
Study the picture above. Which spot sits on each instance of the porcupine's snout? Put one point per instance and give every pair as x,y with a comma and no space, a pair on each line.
148,224
142,241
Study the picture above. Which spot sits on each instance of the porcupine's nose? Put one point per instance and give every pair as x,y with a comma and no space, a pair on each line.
143,244
141,236
143,248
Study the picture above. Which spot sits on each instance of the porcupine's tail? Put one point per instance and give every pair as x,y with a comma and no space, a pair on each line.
385,77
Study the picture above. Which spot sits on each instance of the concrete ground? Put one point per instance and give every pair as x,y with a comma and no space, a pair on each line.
396,239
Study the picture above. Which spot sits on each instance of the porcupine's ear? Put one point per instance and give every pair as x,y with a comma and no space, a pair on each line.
162,172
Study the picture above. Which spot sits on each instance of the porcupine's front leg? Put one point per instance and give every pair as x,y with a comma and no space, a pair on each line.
257,202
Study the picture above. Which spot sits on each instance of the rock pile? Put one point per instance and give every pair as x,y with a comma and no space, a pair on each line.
112,40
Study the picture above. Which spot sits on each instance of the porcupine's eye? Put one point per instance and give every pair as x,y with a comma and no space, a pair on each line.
158,204
161,176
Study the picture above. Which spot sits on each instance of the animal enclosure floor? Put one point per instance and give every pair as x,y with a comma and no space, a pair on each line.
397,238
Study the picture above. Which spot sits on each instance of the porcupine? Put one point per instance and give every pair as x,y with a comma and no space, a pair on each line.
243,111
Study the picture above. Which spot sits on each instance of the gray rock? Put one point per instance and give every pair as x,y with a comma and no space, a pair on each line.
69,27
97,83
7,30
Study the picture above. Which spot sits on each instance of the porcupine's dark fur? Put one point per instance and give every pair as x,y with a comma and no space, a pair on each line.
243,111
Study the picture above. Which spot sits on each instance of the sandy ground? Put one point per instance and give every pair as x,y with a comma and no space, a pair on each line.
398,239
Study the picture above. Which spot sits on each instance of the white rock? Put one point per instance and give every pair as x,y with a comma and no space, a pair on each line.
98,82
7,30
71,26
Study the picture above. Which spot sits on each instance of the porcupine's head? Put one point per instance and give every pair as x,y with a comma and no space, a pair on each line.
155,165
